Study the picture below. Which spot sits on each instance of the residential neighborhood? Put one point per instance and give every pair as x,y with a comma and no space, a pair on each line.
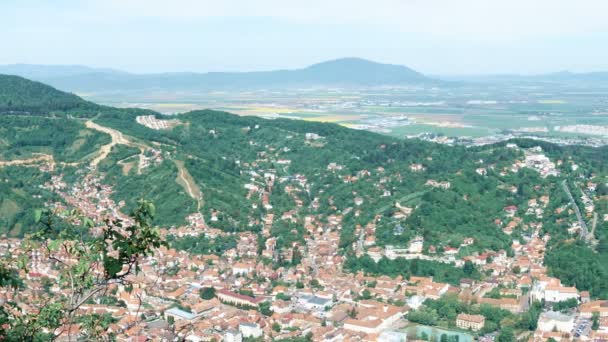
241,294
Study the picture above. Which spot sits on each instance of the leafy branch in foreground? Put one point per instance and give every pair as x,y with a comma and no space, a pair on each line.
89,258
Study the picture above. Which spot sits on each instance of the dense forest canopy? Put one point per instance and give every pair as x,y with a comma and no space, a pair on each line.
19,95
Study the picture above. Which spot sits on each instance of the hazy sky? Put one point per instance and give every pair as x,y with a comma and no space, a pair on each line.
432,36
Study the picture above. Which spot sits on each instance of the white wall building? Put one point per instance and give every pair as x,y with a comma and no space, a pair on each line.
554,320
250,330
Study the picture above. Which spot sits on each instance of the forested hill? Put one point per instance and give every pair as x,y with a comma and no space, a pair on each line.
20,95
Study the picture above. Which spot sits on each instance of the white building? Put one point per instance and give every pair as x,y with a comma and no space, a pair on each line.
374,318
560,293
250,330
548,321
233,336
415,302
416,245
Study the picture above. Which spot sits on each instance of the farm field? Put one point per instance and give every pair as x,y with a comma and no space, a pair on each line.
461,111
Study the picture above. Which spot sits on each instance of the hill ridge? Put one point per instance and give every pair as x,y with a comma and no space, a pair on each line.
350,71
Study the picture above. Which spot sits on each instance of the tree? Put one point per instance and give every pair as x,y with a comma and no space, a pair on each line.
565,305
276,327
207,293
506,335
366,294
529,320
283,296
602,189
468,268
265,309
423,315
596,321
102,260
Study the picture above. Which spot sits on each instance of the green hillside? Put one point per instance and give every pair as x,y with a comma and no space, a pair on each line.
19,95
236,171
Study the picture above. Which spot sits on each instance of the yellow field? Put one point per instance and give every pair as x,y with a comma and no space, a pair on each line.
333,118
278,110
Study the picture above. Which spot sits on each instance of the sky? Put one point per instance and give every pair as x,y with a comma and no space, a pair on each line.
432,36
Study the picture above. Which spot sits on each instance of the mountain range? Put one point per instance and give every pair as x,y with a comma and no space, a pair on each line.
340,72
344,72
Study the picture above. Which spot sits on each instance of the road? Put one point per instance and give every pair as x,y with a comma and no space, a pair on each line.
33,160
117,139
584,230
593,225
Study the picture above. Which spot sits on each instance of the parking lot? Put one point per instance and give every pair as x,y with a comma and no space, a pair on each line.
582,327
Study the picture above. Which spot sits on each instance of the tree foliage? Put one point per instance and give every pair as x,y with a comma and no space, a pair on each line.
102,260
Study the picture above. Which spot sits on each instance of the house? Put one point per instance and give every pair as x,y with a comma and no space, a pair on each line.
230,297
358,200
281,306
416,167
250,330
467,242
473,322
233,336
374,317
560,293
241,268
585,297
415,301
510,210
451,251
599,306
510,304
441,185
312,136
179,314
416,245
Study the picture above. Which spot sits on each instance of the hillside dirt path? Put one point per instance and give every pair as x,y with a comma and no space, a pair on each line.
28,161
187,182
117,139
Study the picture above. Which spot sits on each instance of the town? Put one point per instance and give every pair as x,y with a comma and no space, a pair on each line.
254,290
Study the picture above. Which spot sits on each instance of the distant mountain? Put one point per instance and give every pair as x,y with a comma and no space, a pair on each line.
18,94
35,71
341,72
